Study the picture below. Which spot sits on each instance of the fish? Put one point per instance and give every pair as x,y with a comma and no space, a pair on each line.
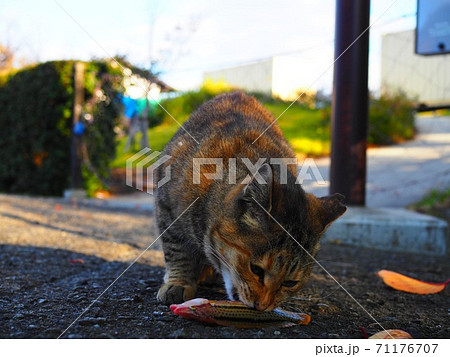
236,314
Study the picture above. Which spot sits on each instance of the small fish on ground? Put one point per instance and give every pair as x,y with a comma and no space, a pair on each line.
237,314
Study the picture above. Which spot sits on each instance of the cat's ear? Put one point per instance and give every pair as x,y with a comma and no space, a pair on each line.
325,210
255,199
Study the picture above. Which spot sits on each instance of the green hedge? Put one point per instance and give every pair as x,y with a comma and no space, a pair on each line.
35,123
391,119
35,119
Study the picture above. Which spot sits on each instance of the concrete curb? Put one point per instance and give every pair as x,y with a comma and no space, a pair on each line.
391,229
113,204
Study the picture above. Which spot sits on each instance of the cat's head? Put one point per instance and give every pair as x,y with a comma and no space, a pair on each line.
267,237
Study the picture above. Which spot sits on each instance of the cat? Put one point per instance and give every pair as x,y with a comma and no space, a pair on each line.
239,229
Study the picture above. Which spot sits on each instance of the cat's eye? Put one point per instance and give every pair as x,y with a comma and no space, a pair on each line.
257,271
289,283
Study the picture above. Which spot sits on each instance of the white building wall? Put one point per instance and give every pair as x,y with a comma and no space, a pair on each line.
253,77
425,77
281,76
290,78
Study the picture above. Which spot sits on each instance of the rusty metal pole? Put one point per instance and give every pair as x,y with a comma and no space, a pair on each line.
349,118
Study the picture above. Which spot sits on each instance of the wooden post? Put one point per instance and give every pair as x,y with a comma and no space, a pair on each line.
76,179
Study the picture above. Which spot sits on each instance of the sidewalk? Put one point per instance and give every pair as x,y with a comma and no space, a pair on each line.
402,174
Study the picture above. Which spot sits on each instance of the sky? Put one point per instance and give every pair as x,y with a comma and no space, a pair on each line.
186,38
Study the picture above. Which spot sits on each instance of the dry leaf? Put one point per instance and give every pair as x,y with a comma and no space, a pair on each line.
410,285
102,194
389,334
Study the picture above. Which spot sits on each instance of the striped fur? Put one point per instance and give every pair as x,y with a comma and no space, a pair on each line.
227,228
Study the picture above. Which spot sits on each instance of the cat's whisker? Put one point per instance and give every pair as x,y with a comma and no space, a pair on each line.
314,262
296,298
223,261
230,266
221,258
218,255
307,265
302,299
292,307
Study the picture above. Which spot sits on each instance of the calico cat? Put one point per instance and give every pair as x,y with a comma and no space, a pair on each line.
239,229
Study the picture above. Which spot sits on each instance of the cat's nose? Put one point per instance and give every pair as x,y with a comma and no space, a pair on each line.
261,306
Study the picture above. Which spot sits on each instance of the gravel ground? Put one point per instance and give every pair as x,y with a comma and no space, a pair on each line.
44,288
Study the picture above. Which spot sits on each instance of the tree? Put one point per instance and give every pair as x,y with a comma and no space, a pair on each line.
7,55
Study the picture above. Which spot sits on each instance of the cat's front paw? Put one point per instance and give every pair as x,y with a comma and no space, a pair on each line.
175,294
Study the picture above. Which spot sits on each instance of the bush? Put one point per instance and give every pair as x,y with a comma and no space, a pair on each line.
35,138
36,121
391,119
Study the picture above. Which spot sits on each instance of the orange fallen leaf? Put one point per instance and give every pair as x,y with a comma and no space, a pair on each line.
389,334
410,285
